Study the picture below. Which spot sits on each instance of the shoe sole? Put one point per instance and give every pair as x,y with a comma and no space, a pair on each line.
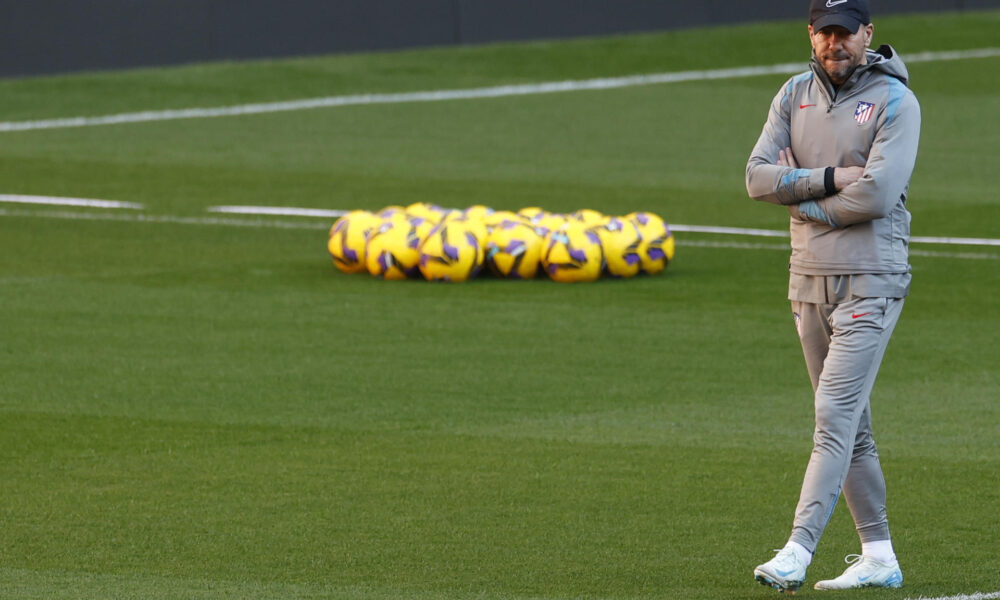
789,587
818,586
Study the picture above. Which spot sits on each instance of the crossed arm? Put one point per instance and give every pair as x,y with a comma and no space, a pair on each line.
856,194
808,210
842,176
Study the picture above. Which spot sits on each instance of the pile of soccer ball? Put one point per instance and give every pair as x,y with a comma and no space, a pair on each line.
453,245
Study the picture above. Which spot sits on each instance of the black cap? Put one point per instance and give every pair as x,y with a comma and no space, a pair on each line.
849,14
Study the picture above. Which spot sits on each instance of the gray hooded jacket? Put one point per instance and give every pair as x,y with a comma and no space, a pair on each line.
872,121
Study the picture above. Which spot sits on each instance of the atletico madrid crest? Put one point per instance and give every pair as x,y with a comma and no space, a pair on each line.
864,112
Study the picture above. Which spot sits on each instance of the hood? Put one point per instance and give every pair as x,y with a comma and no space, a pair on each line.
886,60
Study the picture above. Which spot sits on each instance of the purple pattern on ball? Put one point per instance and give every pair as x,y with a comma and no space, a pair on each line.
515,247
631,259
471,239
350,255
578,255
450,251
642,218
384,261
656,254
593,237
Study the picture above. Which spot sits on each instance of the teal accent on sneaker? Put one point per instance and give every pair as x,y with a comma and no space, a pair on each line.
784,572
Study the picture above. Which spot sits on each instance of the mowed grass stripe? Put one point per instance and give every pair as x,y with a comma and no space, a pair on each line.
547,87
279,224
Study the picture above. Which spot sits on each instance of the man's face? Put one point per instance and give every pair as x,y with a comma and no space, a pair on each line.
840,50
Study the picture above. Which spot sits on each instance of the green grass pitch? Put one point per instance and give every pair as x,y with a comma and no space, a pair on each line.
207,411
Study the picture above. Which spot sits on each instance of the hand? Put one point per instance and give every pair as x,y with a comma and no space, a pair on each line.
786,159
845,176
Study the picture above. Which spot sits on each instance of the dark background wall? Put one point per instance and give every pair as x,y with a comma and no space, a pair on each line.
56,36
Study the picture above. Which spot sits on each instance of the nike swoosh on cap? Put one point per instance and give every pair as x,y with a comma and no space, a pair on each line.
831,3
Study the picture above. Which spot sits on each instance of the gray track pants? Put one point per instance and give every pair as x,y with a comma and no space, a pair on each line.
843,346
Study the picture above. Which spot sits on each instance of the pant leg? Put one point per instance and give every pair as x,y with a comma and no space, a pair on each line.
864,487
861,329
813,324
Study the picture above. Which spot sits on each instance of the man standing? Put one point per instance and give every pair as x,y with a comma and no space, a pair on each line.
837,151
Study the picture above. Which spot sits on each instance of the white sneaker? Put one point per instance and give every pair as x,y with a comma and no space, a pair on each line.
785,572
865,572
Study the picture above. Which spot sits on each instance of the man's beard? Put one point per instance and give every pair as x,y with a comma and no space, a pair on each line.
841,72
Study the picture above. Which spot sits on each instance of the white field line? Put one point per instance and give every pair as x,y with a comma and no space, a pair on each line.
955,241
319,212
785,247
174,219
277,210
729,230
310,225
548,87
975,596
59,201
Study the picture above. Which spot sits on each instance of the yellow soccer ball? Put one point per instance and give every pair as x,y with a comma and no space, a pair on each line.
589,217
657,247
573,254
549,222
451,252
392,250
532,212
390,211
477,211
424,210
513,250
620,239
420,228
499,216
475,225
348,238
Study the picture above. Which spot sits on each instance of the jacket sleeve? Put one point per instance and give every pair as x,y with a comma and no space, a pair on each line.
765,179
887,172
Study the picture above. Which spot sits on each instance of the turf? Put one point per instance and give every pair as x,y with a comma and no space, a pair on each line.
207,411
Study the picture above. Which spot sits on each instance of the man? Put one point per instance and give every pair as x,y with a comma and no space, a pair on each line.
837,151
